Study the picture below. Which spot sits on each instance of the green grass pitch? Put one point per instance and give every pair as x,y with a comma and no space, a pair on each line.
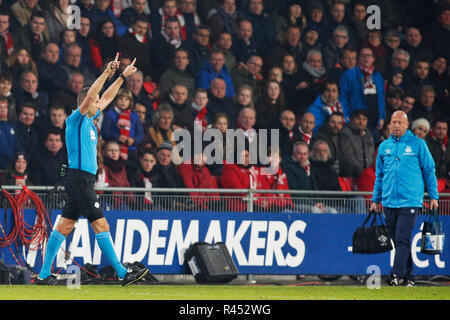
222,292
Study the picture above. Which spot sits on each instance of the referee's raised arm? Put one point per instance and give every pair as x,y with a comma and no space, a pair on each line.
92,94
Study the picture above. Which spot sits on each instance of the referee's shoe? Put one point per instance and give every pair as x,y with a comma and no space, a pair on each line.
133,275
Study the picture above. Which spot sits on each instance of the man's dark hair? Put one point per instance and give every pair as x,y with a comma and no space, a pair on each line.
57,106
27,105
55,131
37,14
439,119
408,93
141,18
332,82
359,112
203,27
171,19
5,76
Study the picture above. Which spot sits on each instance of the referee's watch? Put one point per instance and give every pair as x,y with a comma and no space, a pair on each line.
122,76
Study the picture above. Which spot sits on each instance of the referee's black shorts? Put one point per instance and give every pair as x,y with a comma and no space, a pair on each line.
81,197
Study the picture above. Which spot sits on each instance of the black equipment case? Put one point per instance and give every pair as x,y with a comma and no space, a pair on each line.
210,263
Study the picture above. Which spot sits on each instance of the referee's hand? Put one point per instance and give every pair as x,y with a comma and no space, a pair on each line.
113,65
130,69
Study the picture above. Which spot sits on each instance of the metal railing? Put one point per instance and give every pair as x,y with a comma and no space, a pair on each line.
222,200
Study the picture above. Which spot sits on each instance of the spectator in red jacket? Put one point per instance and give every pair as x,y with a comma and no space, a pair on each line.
196,175
239,175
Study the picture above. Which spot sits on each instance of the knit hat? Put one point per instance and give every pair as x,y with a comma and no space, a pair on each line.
421,122
19,155
165,145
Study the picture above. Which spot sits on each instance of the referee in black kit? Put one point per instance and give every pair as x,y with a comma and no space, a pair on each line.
81,142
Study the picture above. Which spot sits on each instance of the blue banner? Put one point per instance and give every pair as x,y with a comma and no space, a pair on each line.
260,243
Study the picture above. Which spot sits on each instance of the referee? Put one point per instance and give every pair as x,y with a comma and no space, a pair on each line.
404,167
81,141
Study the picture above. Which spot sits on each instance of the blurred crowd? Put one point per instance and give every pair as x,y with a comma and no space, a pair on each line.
314,69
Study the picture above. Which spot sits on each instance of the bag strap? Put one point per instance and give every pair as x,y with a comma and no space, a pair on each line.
367,218
434,215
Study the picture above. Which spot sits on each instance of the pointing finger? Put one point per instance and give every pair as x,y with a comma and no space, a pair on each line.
117,57
132,64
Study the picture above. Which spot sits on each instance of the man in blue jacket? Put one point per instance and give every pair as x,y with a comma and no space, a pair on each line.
404,167
362,87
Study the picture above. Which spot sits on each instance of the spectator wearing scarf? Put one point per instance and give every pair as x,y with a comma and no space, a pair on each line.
326,104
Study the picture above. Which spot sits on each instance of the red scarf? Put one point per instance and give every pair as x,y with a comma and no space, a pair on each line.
147,184
291,135
443,142
138,37
307,168
8,42
117,7
306,136
20,180
124,125
368,84
201,116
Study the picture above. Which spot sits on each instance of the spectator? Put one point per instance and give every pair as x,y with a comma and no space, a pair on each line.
102,11
407,104
189,19
143,177
357,23
67,96
240,174
132,13
136,43
336,17
116,173
246,121
199,48
273,178
439,33
264,30
196,175
28,93
269,105
183,116
200,111
275,73
224,18
315,17
31,36
135,83
244,44
161,129
122,124
72,63
215,68
332,52
326,104
220,122
224,43
325,178
52,157
331,133
159,17
67,38
57,17
392,40
396,79
141,111
419,77
394,98
357,145
310,41
164,174
440,78
249,74
19,62
177,73
5,92
82,38
55,122
415,46
23,10
425,107
375,43
164,46
298,168
296,16
104,43
311,78
244,97
6,41
347,61
368,95
420,127
52,77
219,102
26,134
288,131
306,127
437,141
18,173
290,43
9,143
290,81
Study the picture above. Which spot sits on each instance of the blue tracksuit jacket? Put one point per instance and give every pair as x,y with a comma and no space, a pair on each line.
404,166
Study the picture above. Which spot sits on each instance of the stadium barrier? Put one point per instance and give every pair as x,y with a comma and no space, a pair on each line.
311,233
